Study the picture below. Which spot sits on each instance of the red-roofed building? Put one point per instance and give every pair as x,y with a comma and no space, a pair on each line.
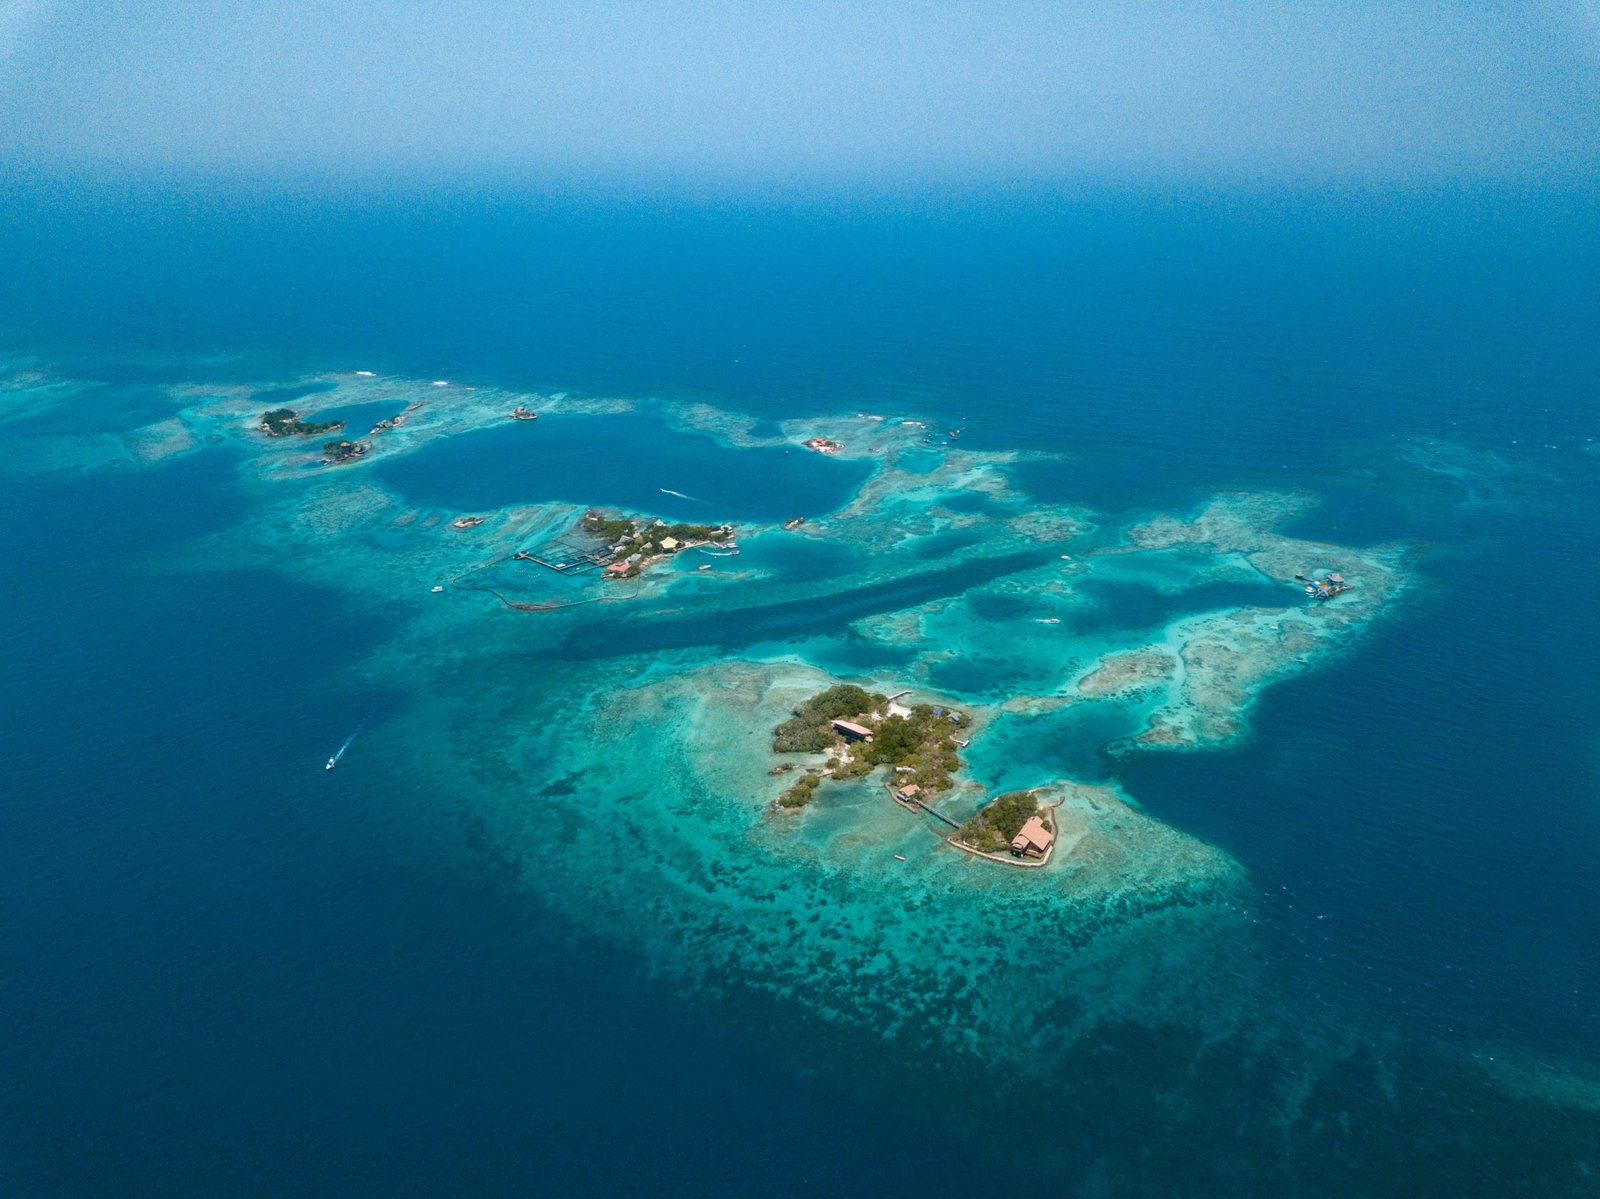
1033,839
852,731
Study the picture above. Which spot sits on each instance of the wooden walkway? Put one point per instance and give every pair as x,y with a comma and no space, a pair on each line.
575,555
906,803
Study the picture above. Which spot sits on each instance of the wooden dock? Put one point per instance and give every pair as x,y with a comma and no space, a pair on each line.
917,803
573,556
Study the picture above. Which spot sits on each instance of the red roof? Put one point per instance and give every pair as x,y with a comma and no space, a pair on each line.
1034,834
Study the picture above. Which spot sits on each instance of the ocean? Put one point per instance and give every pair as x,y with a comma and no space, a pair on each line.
539,933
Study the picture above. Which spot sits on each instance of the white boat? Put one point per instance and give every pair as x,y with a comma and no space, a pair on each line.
439,588
332,762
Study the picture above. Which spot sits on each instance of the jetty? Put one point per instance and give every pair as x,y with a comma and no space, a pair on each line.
573,554
911,797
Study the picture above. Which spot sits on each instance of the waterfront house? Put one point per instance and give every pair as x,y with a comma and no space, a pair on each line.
617,569
851,730
909,792
1033,839
669,543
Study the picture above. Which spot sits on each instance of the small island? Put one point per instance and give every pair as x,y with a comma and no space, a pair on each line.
466,522
633,544
522,413
395,421
286,422
860,731
1013,823
823,445
336,452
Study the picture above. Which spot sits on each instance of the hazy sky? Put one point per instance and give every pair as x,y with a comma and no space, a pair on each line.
786,91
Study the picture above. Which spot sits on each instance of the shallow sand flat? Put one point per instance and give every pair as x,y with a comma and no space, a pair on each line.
162,440
1126,672
679,856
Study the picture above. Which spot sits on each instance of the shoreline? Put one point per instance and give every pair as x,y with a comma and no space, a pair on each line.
1021,860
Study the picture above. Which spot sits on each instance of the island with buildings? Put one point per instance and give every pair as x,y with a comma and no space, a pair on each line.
395,421
861,731
286,422
633,543
1014,824
336,452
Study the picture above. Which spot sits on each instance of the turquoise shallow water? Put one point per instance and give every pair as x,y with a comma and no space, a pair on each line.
1341,949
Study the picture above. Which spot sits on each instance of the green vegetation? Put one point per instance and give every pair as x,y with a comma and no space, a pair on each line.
993,829
286,422
919,743
808,730
799,795
342,451
605,528
637,537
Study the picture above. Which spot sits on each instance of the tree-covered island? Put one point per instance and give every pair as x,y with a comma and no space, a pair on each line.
861,731
286,422
995,828
335,452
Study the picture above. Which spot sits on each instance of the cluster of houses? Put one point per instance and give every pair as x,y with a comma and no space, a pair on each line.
1033,839
623,566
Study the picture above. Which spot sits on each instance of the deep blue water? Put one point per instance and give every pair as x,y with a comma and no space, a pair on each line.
228,974
632,462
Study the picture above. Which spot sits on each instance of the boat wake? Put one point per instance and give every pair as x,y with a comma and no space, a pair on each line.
693,499
334,761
